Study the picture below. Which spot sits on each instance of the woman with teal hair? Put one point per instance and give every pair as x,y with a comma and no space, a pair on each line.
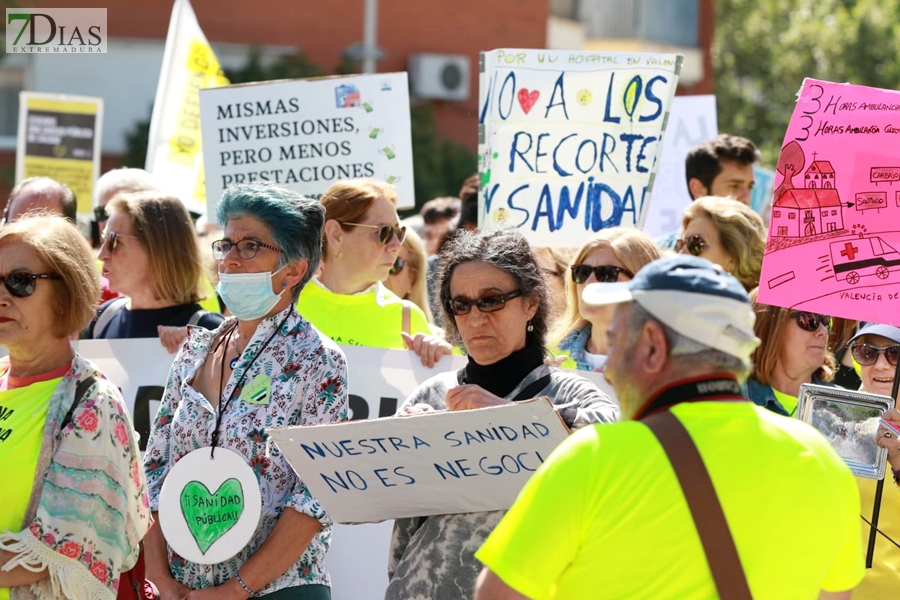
270,249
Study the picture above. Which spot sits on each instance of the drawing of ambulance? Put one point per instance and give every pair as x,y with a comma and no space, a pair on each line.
863,256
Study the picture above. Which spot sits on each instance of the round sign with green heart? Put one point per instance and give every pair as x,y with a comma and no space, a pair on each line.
209,505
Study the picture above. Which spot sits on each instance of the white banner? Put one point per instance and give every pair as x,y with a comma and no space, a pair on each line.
306,134
174,153
433,464
569,140
692,121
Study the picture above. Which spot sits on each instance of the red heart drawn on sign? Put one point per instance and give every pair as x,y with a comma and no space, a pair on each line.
527,99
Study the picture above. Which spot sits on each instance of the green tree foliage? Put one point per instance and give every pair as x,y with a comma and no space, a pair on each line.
763,49
440,165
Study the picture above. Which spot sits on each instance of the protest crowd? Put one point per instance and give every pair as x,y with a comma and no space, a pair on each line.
687,472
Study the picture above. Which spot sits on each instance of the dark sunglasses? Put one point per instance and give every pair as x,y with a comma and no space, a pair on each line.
399,264
385,232
21,284
100,214
246,248
694,243
111,239
809,321
603,273
867,354
486,305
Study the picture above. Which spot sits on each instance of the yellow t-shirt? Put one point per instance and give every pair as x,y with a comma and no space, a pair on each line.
371,318
788,402
882,581
605,515
23,412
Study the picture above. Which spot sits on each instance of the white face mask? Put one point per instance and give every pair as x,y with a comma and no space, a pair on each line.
248,296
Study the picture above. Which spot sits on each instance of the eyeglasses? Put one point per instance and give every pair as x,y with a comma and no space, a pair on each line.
694,243
111,239
100,214
867,354
246,248
385,232
399,264
809,321
487,304
21,284
603,273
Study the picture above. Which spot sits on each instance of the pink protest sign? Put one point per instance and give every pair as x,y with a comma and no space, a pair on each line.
834,229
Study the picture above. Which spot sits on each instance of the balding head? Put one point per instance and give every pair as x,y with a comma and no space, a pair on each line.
40,194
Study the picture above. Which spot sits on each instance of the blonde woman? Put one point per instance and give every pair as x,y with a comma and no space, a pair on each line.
727,233
407,278
614,254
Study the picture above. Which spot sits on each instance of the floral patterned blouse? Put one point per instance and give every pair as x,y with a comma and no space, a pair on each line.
89,507
308,376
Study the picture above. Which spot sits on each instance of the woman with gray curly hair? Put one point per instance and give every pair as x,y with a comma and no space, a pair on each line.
494,306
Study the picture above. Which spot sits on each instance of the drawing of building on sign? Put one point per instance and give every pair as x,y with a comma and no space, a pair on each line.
803,212
861,257
346,96
820,174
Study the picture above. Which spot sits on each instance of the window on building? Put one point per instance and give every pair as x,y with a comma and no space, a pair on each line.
792,215
834,213
782,231
777,213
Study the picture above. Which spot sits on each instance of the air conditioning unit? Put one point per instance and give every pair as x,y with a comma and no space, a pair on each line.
439,76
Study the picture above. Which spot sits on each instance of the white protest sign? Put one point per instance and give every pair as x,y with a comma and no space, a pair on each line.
692,121
306,134
569,141
441,463
379,379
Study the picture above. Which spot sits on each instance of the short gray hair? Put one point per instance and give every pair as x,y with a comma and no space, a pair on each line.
684,349
123,180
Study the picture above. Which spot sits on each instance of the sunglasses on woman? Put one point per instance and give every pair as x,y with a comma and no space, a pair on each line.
867,354
694,244
385,232
603,273
486,304
111,239
809,321
21,284
399,264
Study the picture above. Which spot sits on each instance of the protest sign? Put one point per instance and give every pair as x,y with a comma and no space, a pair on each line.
430,464
379,379
692,121
59,137
569,141
834,229
306,134
174,146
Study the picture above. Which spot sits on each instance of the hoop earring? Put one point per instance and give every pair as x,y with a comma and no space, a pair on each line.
529,328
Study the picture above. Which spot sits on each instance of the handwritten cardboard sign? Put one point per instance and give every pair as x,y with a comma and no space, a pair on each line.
834,229
441,463
569,141
59,137
306,134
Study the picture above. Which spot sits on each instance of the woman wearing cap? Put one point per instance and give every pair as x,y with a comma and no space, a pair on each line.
347,301
614,254
793,350
494,305
876,348
726,232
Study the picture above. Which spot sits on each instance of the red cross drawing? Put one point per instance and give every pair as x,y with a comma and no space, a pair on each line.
849,251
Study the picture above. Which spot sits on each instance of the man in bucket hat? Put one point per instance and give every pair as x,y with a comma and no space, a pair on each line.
606,515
